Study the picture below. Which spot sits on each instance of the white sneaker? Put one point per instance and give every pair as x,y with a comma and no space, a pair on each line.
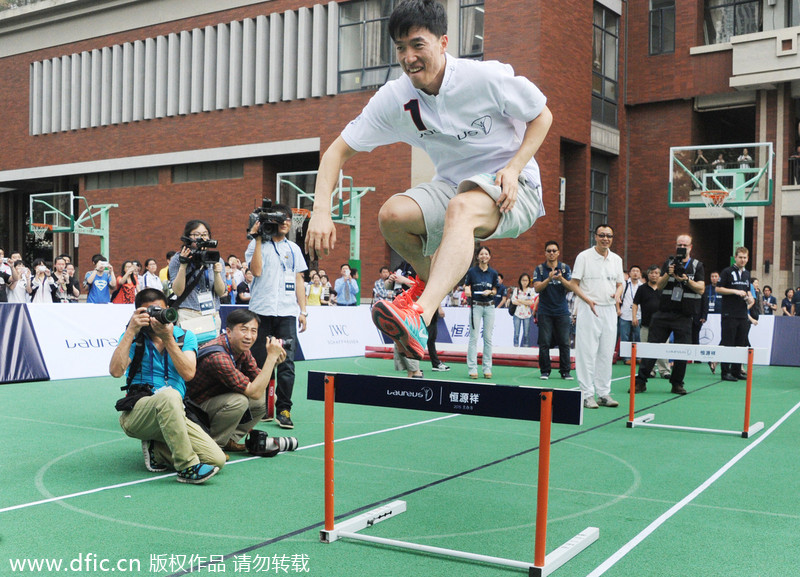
590,403
607,401
441,367
544,376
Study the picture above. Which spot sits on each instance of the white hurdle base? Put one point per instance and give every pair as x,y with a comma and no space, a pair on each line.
646,421
349,529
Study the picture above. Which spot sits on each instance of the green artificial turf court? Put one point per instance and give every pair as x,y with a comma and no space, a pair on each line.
667,503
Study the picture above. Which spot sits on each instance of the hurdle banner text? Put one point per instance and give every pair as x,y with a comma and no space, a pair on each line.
525,403
697,353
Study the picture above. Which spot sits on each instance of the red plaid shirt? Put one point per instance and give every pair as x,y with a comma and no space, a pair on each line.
219,373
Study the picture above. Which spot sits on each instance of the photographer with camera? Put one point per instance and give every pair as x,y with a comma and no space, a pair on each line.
682,284
42,288
158,358
278,295
66,287
100,281
9,277
229,386
197,281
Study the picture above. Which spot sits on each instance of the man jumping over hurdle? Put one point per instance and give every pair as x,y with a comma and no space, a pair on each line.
481,127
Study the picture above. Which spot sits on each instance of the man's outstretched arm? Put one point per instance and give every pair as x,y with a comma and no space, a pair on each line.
321,234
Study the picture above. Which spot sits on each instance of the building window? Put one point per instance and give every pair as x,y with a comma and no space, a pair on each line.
727,18
598,208
122,179
794,13
471,29
222,170
662,26
605,46
366,52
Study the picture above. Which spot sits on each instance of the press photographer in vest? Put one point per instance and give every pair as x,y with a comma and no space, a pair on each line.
228,384
198,281
681,283
158,358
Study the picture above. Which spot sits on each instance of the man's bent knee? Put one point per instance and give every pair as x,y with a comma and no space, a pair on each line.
402,212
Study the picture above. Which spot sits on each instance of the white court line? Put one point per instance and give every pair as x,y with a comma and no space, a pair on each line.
148,479
647,531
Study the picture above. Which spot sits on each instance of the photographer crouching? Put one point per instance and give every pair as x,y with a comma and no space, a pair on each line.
278,295
198,282
231,389
159,358
682,285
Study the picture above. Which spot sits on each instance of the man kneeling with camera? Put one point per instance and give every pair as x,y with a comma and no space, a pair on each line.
159,358
231,389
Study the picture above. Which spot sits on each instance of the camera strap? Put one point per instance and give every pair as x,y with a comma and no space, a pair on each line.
138,356
197,274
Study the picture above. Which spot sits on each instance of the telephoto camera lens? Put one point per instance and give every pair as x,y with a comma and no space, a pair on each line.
164,316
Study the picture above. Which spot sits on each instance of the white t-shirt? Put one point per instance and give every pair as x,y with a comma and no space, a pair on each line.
270,295
474,125
19,294
628,293
599,275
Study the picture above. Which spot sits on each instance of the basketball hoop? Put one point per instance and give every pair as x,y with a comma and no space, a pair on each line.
299,215
714,198
39,229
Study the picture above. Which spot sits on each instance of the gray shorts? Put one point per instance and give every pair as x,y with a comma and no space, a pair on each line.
433,197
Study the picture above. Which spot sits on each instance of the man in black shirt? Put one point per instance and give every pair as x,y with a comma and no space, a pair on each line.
734,286
647,298
682,283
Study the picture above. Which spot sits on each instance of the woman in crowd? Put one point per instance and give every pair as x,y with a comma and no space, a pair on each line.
127,284
480,287
150,277
18,291
314,291
325,296
786,304
523,297
42,285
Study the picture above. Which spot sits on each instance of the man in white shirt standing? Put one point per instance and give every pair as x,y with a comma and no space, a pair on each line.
278,297
481,125
628,330
599,274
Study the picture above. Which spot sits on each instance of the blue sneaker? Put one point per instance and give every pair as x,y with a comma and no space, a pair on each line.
150,462
404,325
197,474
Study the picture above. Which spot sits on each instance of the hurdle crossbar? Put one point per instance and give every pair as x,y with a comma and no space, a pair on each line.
701,353
446,396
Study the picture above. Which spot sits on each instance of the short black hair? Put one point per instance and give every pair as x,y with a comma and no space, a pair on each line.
633,266
549,242
170,254
383,268
149,295
193,224
604,225
97,258
240,316
428,14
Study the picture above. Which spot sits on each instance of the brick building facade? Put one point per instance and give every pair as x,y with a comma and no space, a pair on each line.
262,84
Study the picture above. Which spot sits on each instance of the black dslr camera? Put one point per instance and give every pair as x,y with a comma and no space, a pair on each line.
268,218
677,261
164,316
200,255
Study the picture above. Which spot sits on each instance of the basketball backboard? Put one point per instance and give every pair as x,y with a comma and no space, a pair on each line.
741,173
53,209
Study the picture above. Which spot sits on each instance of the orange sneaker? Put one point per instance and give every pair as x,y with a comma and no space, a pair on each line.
410,295
404,325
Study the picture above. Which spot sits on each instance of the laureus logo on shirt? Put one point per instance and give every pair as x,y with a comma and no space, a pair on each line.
484,123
